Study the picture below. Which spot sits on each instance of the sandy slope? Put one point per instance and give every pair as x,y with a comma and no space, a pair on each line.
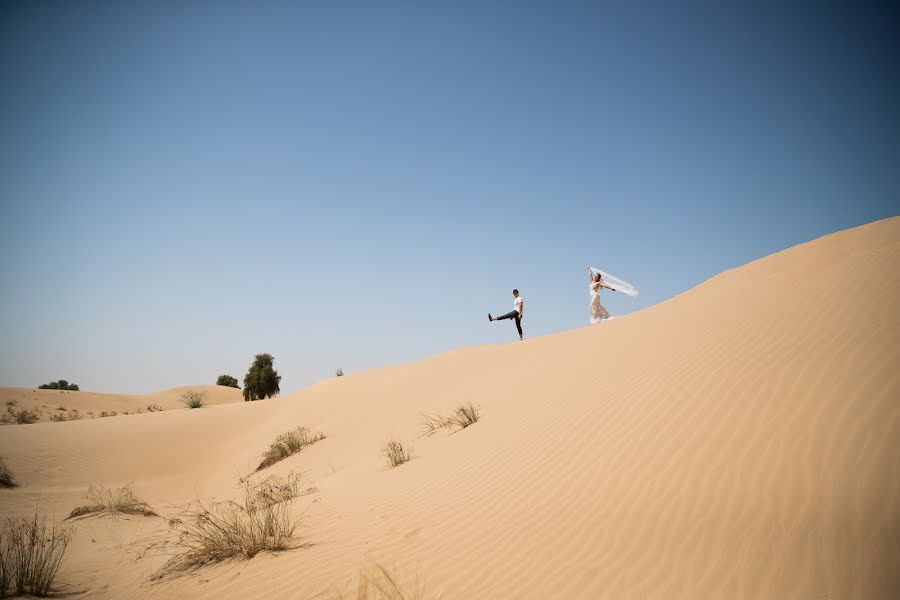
87,405
741,440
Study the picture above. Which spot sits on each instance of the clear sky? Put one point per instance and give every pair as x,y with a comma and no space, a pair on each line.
356,184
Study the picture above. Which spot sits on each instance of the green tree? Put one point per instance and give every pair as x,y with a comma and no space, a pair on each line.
227,381
262,380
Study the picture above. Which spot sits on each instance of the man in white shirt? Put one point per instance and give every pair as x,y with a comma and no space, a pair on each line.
517,313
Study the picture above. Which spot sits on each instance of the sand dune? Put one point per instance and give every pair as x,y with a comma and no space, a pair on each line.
737,441
88,405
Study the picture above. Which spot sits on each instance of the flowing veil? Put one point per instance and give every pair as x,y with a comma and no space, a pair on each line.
619,284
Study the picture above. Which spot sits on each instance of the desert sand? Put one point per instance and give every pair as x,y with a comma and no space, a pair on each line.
741,440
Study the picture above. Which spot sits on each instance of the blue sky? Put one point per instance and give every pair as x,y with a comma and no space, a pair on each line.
356,184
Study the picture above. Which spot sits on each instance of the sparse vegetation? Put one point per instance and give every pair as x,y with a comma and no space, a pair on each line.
6,478
287,444
107,501
31,553
377,583
108,414
276,489
227,381
262,380
223,530
462,417
154,408
62,384
339,373
395,453
21,417
193,399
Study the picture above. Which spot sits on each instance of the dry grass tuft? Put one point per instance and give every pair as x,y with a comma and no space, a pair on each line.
395,453
31,552
287,444
107,501
193,399
154,408
6,478
223,530
377,583
465,415
431,424
462,417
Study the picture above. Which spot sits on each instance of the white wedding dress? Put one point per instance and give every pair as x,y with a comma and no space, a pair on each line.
598,313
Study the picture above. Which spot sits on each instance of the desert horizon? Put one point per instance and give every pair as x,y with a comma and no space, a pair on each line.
737,440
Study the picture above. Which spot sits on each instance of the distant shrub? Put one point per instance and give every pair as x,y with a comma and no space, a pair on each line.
31,552
58,417
154,408
395,453
287,444
223,530
120,500
261,380
193,399
339,373
227,381
6,478
62,384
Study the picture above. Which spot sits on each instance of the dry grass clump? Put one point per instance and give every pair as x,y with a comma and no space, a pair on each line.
395,453
287,444
106,501
462,417
6,478
31,552
193,399
276,489
223,530
465,415
154,408
377,583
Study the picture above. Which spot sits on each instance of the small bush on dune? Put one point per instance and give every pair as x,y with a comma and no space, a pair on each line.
154,408
395,453
377,583
20,417
224,530
193,398
339,373
106,501
31,553
6,478
287,444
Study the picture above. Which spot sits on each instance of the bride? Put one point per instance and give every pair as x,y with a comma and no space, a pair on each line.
598,313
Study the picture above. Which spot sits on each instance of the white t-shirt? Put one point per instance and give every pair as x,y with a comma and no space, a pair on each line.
516,303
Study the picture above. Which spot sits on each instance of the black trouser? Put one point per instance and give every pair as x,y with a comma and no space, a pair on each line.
512,315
